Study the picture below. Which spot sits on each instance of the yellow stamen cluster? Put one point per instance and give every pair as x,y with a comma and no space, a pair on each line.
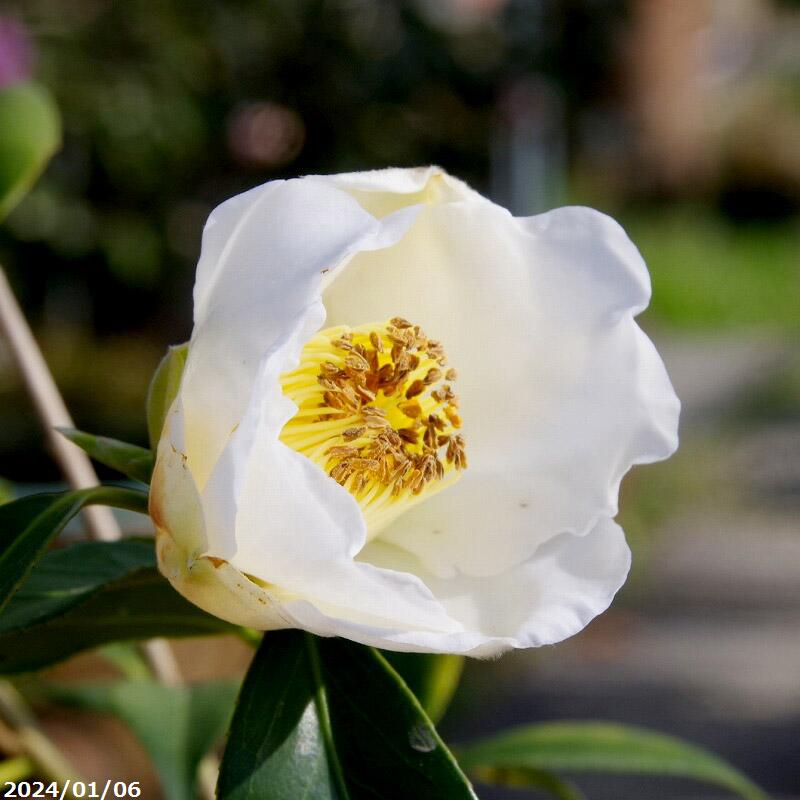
376,409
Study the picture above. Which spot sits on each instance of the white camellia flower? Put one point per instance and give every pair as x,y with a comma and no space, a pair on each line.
405,415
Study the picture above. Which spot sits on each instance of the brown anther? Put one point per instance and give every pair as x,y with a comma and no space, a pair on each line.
329,368
353,433
372,358
342,451
357,362
400,322
417,483
341,472
408,435
350,397
416,388
435,421
376,341
385,374
456,454
443,394
365,394
333,400
362,464
432,376
342,344
451,374
411,409
402,337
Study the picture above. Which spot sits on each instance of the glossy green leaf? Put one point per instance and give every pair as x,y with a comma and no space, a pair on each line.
30,132
432,678
163,389
28,525
91,594
598,747
129,459
326,718
177,725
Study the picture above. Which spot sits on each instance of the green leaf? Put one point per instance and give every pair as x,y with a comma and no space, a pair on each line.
528,778
128,659
7,493
432,678
129,459
599,747
30,132
164,388
91,594
177,725
326,718
28,525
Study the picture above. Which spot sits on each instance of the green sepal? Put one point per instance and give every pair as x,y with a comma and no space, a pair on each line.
163,389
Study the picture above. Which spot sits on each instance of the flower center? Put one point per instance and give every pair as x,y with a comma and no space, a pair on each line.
377,411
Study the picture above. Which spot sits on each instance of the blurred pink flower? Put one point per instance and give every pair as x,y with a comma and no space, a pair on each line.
16,52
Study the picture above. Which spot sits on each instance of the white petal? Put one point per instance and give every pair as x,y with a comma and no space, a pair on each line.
553,595
383,191
561,392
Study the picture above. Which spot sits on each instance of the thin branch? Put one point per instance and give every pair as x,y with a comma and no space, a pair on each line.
52,412
31,740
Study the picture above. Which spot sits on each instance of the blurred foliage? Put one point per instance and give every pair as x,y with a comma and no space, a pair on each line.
710,273
31,132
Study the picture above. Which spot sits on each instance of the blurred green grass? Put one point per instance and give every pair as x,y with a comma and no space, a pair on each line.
709,274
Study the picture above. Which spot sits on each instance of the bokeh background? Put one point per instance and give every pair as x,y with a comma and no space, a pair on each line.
679,117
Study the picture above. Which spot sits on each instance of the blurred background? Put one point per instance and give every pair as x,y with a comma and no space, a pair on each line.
679,117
